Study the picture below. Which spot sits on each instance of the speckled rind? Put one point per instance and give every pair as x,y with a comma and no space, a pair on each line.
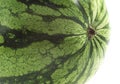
46,41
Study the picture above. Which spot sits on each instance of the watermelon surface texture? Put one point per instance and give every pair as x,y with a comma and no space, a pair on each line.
51,41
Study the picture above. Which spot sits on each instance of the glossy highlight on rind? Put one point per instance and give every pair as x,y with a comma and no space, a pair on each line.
51,41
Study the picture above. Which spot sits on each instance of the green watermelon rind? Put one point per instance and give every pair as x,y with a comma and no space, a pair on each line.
51,41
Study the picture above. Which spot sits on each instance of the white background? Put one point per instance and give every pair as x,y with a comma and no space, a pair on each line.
109,72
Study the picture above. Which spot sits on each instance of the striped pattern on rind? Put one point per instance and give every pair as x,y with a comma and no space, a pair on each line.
46,41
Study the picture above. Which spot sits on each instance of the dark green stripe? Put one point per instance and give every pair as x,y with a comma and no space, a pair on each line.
103,38
90,70
49,18
81,8
97,16
91,49
46,72
46,3
90,53
97,41
94,42
105,27
101,20
78,54
82,73
23,38
90,11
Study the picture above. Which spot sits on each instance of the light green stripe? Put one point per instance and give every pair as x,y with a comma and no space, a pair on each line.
86,5
100,8
104,22
74,12
44,10
83,76
101,43
101,14
98,47
98,51
96,57
82,7
93,10
104,32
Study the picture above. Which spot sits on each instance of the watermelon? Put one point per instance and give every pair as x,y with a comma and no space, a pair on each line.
51,41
